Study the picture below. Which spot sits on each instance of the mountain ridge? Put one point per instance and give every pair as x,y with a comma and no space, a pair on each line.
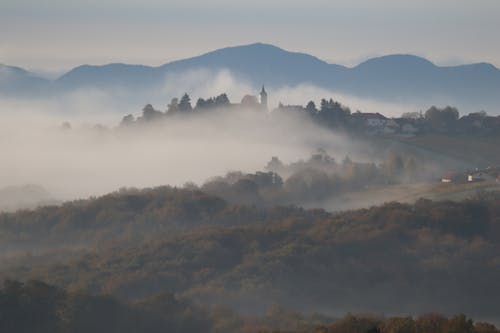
395,77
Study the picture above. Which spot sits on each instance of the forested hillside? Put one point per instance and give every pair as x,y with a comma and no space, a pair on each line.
38,307
441,256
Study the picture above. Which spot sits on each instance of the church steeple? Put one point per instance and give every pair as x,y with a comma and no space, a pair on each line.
263,98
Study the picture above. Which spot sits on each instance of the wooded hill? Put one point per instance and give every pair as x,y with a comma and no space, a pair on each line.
38,307
396,258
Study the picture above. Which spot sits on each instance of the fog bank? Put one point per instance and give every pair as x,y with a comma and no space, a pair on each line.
90,160
87,160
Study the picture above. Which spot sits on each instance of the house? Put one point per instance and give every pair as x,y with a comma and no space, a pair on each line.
390,127
480,176
371,123
453,177
472,178
375,119
291,108
471,122
409,128
492,123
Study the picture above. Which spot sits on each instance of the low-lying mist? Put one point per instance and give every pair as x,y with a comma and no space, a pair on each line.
87,160
83,159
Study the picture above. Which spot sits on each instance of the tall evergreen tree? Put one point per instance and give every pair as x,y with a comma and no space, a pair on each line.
311,107
185,103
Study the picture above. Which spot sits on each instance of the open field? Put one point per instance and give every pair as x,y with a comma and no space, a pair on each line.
479,151
406,193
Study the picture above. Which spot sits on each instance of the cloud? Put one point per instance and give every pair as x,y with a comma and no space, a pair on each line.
303,93
88,161
206,83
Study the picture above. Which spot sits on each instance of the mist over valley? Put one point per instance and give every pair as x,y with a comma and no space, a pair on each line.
162,172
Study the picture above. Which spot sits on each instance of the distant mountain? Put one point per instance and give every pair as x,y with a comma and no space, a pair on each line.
109,76
30,196
397,78
19,82
410,77
263,63
256,63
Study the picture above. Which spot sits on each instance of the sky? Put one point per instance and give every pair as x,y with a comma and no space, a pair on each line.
51,36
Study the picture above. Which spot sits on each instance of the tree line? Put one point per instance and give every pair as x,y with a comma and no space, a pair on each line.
317,178
332,114
134,244
35,306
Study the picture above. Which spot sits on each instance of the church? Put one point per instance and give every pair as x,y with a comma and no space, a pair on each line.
253,102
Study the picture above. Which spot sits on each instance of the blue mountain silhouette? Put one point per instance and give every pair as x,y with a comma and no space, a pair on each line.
389,78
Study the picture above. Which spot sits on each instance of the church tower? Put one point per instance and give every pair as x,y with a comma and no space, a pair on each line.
263,98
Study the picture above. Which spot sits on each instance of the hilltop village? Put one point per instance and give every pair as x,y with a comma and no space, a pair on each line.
435,123
333,114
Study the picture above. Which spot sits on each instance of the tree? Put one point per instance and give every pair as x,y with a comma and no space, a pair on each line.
29,307
275,165
311,107
399,325
393,166
185,103
309,184
354,324
411,169
221,100
200,103
431,322
324,105
173,107
441,119
412,115
149,113
485,328
127,120
460,324
333,113
320,156
346,162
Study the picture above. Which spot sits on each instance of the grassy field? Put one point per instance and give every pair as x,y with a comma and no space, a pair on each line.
480,150
408,193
